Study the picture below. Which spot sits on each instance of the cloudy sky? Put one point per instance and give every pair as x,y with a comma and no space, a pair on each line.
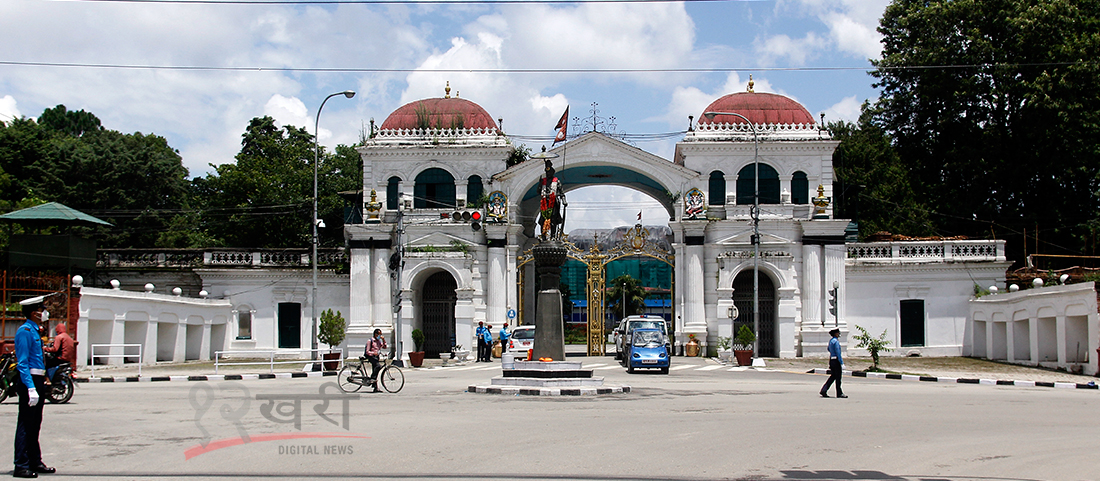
196,73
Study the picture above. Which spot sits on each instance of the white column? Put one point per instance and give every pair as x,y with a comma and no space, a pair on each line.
361,297
179,353
149,349
408,316
381,289
497,285
812,298
1060,335
118,336
694,311
204,345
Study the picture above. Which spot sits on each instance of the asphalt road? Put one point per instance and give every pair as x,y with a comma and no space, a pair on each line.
694,423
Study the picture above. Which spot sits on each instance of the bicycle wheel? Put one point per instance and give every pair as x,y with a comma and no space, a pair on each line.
392,379
350,379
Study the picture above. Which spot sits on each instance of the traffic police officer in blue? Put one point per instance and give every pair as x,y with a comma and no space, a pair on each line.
836,365
31,382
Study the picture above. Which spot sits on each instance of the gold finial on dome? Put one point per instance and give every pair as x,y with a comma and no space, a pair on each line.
447,90
456,94
750,83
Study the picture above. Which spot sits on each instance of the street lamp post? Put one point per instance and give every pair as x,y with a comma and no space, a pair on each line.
313,262
755,215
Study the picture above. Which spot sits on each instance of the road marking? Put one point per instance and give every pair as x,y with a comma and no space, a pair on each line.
593,366
607,367
490,368
677,368
710,368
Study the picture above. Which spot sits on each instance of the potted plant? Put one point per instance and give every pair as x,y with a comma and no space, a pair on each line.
331,332
416,358
691,349
725,345
743,346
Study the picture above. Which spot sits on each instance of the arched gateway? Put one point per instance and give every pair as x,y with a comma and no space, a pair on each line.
702,188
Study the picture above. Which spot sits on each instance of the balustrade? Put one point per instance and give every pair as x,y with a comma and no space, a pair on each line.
924,251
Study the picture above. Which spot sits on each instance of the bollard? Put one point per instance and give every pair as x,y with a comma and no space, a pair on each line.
507,361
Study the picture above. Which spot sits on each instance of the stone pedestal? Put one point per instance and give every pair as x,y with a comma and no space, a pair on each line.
549,331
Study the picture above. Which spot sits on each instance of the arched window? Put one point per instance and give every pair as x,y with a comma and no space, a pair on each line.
717,188
800,188
474,189
769,185
434,189
392,192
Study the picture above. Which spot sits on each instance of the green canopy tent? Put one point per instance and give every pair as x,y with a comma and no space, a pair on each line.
51,251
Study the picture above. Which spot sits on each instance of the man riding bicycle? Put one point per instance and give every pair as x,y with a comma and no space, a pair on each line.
373,349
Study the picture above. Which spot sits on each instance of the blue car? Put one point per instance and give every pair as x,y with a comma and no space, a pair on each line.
647,350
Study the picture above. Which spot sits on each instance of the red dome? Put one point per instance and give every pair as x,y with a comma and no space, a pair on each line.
760,108
444,113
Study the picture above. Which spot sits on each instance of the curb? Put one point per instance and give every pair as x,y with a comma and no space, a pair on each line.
962,380
546,391
211,377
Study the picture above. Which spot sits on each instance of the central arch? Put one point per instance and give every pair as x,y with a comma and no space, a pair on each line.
438,308
742,298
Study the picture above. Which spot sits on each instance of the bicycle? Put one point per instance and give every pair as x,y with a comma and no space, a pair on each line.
353,377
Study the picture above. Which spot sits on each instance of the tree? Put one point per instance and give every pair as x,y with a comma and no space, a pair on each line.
635,295
134,181
992,104
265,198
875,184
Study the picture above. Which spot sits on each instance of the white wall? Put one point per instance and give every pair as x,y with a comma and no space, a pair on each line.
156,321
1055,326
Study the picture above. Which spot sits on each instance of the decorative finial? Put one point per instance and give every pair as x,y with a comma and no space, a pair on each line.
447,90
456,94
750,83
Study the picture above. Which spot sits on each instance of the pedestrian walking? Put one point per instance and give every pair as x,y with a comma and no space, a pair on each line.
480,334
30,383
836,365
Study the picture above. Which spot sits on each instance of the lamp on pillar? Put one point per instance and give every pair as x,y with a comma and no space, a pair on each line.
755,214
317,222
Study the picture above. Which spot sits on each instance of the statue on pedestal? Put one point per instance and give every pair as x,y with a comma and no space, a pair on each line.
552,204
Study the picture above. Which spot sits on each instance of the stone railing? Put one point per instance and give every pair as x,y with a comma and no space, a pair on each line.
928,251
177,258
438,136
742,131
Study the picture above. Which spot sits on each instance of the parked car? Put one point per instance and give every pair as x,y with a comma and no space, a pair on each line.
523,339
647,349
630,323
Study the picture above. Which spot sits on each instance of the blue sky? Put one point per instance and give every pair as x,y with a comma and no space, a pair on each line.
202,113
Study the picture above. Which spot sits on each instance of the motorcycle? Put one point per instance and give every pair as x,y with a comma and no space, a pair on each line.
60,378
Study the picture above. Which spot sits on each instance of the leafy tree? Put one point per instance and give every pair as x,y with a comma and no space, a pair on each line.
265,198
876,184
992,104
635,295
74,123
134,181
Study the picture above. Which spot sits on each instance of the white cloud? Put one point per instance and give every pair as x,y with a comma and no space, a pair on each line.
796,50
8,109
851,28
847,110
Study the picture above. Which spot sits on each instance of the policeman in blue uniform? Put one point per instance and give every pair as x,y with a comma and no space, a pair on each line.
30,386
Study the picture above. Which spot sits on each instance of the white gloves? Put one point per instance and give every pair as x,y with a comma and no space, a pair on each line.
32,397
